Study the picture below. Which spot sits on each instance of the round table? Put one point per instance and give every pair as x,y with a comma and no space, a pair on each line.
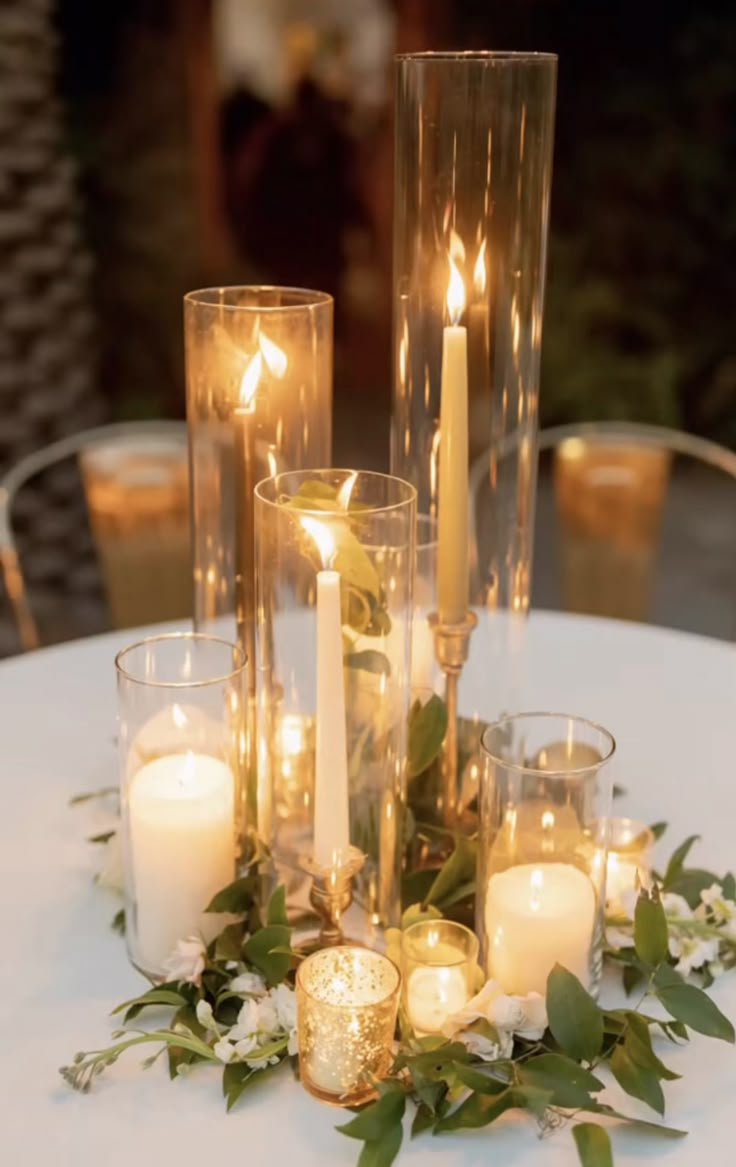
670,700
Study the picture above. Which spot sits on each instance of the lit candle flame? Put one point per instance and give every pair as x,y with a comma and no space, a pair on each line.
250,382
322,536
455,294
457,247
346,490
479,271
275,357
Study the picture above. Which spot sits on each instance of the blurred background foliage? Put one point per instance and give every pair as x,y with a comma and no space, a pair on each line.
641,274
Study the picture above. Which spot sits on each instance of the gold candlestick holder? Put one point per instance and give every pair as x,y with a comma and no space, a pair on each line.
331,893
451,647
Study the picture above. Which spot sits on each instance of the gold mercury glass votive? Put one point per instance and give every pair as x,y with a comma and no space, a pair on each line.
347,1001
629,859
438,964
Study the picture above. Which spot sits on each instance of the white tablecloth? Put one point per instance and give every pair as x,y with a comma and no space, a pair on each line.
670,700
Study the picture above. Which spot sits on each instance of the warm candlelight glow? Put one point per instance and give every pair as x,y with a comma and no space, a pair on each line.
178,716
455,293
438,961
275,357
322,536
479,271
345,492
250,382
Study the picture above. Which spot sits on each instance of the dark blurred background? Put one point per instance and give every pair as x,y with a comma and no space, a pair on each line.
191,142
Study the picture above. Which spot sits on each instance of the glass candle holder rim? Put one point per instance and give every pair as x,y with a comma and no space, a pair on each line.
482,56
641,840
379,957
211,297
555,771
462,957
235,650
408,491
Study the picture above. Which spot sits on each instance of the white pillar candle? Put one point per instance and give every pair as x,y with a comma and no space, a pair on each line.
452,521
181,812
331,817
538,915
433,993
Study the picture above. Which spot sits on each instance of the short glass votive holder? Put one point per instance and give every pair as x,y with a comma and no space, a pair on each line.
439,959
347,1003
546,792
181,721
629,860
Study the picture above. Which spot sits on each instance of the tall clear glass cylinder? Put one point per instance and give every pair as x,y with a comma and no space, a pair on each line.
474,137
339,735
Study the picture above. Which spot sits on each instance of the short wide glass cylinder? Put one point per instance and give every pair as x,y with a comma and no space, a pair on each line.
340,736
347,1001
439,960
181,722
259,402
546,791
474,136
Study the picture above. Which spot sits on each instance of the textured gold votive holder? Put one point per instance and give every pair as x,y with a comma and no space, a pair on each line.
438,963
347,1001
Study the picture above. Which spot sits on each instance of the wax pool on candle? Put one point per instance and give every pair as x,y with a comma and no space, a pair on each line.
538,915
452,521
434,993
182,850
331,819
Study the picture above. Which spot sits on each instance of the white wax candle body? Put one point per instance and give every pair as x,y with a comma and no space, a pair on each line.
433,993
181,813
538,915
331,809
452,521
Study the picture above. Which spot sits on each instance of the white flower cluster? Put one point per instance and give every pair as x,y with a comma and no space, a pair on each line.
695,936
506,1016
266,1017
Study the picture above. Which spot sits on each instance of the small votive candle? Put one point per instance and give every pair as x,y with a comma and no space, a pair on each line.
347,1001
629,858
539,915
438,963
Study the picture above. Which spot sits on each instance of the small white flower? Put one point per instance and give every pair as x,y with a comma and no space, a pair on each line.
722,909
508,1015
284,999
268,1017
205,1016
484,1047
617,938
224,1050
293,1047
245,1046
247,1023
261,1063
186,962
716,968
248,982
675,905
692,952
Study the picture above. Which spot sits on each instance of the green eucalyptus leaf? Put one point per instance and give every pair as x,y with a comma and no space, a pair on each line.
381,1152
677,861
118,922
567,1082
163,996
532,1098
690,883
593,1145
658,829
729,886
103,837
633,975
458,870
636,1080
479,1082
423,1120
427,729
637,1124
691,1005
575,1020
638,1045
259,950
277,908
229,943
650,930
237,898
370,661
477,1111
371,1123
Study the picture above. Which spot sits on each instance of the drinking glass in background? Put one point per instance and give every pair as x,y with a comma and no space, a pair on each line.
137,490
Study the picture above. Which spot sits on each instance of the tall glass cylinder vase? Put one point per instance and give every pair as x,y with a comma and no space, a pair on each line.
259,402
474,135
546,792
333,677
181,721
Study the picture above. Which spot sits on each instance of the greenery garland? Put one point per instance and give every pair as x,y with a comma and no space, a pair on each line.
232,1004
